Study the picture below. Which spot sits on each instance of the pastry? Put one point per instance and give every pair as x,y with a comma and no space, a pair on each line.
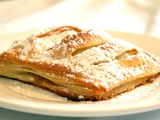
79,64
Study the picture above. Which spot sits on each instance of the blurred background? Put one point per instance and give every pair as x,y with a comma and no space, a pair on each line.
139,16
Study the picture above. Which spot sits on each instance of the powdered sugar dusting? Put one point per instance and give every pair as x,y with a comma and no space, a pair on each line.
140,92
30,90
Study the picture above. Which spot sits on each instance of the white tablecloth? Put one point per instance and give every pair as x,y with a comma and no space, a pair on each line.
140,16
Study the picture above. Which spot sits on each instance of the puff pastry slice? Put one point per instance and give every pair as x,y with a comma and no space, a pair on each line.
79,64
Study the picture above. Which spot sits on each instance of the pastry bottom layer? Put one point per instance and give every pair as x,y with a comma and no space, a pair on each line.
76,93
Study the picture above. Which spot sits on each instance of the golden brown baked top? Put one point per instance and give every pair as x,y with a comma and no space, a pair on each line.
88,63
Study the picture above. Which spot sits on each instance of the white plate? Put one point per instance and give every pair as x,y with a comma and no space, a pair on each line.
22,97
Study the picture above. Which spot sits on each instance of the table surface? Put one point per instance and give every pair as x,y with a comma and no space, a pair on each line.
137,17
6,114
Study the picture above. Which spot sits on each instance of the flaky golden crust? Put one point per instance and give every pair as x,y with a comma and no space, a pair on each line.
79,64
